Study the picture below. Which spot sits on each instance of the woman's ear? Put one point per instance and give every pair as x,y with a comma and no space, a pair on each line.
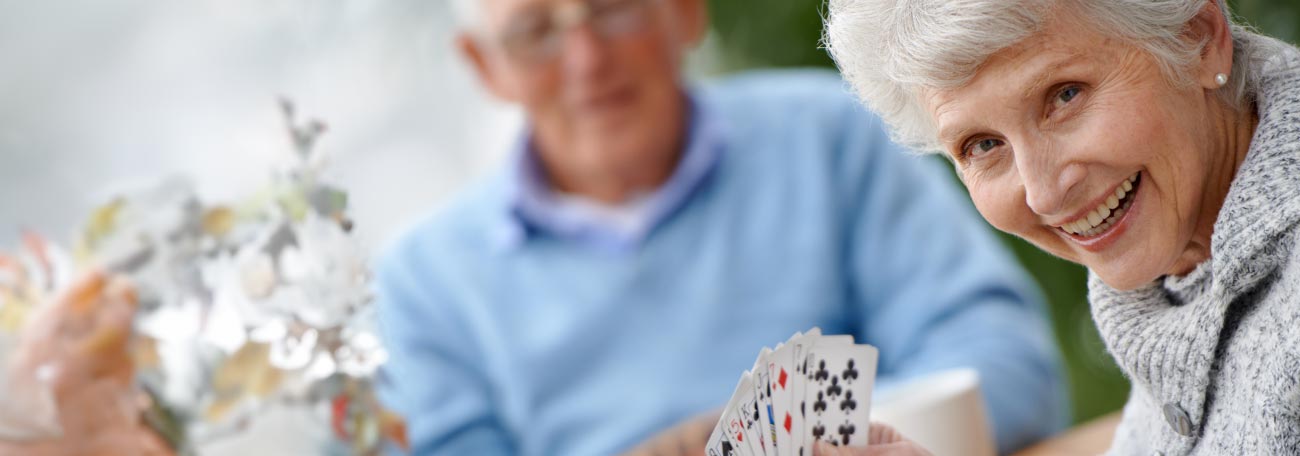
1211,27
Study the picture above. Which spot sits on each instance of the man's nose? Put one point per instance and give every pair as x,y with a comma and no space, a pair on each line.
584,51
1049,178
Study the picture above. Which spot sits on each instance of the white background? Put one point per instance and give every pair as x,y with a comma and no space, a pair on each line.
101,96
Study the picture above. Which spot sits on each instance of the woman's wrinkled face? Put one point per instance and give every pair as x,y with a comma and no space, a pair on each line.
1078,143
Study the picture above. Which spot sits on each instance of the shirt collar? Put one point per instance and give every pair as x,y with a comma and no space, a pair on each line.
534,209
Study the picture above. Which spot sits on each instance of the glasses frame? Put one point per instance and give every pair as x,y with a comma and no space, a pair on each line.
610,19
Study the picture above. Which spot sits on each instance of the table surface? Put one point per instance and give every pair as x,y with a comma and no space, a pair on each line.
1087,439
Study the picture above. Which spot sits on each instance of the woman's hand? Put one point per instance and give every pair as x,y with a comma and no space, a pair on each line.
882,441
77,348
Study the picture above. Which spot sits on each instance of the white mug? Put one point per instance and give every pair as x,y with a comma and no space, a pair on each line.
943,412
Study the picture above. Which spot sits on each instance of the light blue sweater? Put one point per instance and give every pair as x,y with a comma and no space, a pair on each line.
811,217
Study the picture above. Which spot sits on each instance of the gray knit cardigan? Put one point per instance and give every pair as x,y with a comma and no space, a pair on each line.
1214,356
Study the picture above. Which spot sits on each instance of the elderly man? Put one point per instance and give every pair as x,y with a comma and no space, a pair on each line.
649,237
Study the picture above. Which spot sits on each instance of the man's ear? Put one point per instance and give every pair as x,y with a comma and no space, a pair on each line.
693,17
486,71
1211,27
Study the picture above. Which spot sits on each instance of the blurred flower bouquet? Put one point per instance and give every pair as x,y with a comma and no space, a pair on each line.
240,305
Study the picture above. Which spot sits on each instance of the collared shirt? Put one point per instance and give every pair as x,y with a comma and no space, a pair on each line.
536,208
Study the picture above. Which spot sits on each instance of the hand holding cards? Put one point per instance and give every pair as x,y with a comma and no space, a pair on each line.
810,388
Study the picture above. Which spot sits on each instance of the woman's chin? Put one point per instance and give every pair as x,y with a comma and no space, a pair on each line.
1123,278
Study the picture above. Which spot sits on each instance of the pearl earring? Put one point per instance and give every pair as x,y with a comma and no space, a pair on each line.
1221,79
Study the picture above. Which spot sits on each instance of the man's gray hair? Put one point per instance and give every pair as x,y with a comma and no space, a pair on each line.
891,50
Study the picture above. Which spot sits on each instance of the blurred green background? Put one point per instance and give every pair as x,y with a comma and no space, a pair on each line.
784,33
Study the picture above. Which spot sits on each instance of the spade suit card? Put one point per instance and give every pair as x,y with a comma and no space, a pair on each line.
838,394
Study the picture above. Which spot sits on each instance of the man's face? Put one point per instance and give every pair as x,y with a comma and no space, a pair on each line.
599,76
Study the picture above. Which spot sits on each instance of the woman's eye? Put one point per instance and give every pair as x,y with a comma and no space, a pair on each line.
1067,95
981,147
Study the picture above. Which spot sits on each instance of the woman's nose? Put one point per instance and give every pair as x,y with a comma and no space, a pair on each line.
1049,178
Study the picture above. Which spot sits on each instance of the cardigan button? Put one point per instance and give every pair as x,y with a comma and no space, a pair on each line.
1178,420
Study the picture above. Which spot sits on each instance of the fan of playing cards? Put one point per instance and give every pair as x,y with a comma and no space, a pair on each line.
810,388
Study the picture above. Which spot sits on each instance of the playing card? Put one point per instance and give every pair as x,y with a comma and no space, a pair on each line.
801,347
720,445
737,421
799,406
838,394
721,442
763,391
780,370
745,407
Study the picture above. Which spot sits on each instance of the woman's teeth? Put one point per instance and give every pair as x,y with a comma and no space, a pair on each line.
1106,214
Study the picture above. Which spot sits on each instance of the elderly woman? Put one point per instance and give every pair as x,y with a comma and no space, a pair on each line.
1153,141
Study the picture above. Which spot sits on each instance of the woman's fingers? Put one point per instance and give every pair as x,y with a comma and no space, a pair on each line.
881,433
888,449
884,441
826,449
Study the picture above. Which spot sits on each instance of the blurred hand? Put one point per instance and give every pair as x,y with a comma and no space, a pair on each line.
686,438
882,440
77,347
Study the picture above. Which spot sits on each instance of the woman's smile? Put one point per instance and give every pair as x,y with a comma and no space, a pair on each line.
1100,226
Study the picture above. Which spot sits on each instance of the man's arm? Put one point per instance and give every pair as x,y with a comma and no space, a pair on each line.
937,290
434,376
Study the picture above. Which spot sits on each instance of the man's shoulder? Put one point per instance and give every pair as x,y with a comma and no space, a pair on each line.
799,116
812,103
783,83
781,87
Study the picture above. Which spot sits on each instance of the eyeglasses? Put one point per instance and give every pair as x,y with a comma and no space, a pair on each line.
537,35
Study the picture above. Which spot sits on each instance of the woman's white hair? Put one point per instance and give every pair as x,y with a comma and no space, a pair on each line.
891,50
